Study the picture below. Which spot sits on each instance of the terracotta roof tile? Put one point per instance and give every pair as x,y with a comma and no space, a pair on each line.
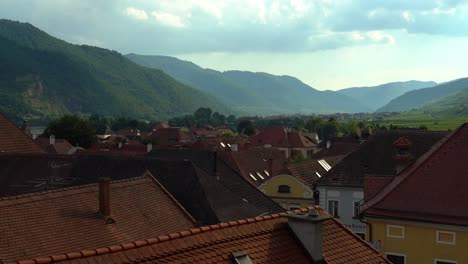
423,191
265,239
70,222
13,139
280,137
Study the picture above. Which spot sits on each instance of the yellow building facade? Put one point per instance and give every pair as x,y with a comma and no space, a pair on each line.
418,242
288,191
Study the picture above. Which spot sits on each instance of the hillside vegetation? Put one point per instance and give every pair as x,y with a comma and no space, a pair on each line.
422,97
375,97
254,92
42,77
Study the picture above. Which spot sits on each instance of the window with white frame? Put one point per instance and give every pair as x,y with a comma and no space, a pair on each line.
356,208
444,261
445,237
395,231
396,258
334,208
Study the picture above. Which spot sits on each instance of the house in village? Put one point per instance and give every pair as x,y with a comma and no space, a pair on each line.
168,137
55,145
284,139
341,189
421,215
88,216
277,238
13,139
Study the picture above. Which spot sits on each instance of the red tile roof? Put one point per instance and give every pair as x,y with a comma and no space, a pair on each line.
266,239
433,189
13,139
61,146
280,137
374,184
132,148
67,220
307,170
256,161
169,136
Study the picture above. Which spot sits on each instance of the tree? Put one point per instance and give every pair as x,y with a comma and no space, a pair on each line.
74,129
202,115
245,127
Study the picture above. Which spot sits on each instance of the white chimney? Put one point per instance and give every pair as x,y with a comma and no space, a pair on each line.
52,140
308,229
328,144
120,145
149,147
234,147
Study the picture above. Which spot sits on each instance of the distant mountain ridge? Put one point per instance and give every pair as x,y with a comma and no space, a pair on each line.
423,97
42,77
377,96
253,92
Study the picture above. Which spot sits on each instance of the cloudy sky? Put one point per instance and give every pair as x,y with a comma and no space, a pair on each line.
329,44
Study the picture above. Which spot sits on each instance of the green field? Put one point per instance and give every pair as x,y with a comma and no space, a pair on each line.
418,119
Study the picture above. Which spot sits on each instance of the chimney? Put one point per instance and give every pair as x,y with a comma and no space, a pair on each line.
51,140
402,155
308,229
149,147
104,199
120,145
234,147
328,144
26,128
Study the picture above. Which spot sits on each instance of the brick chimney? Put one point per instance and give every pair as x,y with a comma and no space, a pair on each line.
51,140
308,229
149,147
104,199
402,155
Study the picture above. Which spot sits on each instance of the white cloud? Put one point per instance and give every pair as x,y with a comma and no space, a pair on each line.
168,19
136,13
378,36
407,16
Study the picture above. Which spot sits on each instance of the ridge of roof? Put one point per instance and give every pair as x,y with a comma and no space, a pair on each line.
22,132
147,173
61,190
408,171
162,238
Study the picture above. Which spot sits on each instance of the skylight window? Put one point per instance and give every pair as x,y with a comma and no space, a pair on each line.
318,174
241,257
266,172
222,144
253,177
229,145
324,164
260,175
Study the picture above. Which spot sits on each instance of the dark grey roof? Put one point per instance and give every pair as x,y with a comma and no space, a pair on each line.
376,157
209,199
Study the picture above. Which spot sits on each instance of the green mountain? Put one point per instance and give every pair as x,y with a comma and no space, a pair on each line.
43,77
455,105
253,93
375,97
422,97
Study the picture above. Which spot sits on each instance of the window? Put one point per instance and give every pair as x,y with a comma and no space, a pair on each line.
396,258
284,189
445,237
395,231
241,257
356,208
334,207
444,261
294,206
